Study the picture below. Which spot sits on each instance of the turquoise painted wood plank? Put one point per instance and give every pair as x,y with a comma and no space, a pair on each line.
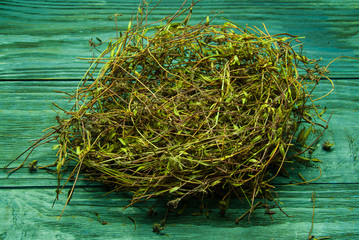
28,214
42,39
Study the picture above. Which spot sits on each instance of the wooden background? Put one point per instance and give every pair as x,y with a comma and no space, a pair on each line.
39,45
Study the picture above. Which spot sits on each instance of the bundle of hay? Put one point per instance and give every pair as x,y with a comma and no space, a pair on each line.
182,111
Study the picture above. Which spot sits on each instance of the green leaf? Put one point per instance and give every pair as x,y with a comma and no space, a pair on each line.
176,111
174,189
256,139
219,37
122,141
300,138
315,160
216,182
78,150
322,112
140,168
281,149
112,135
56,146
129,26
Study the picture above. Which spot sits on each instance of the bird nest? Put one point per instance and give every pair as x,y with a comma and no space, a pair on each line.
179,110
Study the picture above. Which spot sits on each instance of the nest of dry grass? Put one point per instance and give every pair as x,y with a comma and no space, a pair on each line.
182,110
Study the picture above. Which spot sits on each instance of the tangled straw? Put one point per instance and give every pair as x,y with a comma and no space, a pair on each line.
183,110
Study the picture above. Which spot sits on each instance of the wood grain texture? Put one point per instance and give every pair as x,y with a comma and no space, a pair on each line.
28,214
42,39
